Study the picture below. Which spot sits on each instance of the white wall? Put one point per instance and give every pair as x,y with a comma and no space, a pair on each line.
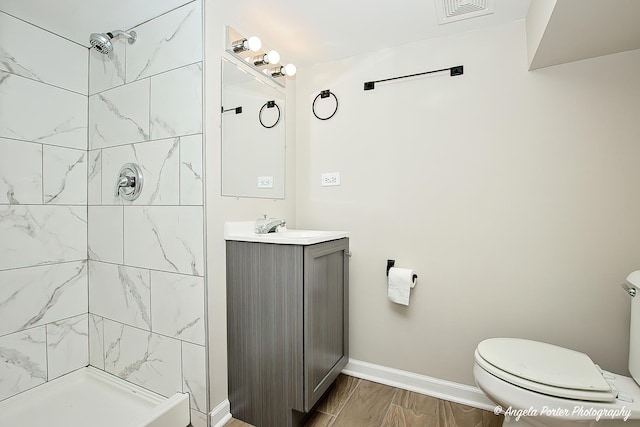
220,209
538,17
513,194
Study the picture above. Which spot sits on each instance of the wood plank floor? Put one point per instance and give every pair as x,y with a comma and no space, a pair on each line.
359,403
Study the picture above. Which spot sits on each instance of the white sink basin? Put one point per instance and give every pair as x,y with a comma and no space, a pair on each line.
245,232
302,234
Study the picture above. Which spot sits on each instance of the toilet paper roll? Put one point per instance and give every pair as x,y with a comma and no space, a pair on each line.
400,284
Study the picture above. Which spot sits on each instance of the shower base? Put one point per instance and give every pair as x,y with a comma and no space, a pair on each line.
91,397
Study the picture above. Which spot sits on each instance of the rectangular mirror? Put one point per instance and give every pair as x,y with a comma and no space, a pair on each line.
253,135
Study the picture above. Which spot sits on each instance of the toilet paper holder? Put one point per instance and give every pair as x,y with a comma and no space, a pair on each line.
391,263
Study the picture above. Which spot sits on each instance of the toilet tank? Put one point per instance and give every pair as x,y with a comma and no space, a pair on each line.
634,339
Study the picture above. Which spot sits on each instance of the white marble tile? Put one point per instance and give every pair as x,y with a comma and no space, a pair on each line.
167,238
120,293
159,161
64,176
194,375
96,341
20,172
34,296
106,237
177,306
67,345
191,177
33,235
94,177
149,360
176,102
32,111
119,116
39,55
23,361
198,419
107,71
167,42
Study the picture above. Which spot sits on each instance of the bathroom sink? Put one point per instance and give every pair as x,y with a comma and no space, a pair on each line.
302,234
245,232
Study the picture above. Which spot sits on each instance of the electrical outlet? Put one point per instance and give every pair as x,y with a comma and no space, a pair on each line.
330,179
265,182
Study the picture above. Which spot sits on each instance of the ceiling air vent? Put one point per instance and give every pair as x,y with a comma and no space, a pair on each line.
457,10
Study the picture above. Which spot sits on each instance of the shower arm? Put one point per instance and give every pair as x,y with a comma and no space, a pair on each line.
130,35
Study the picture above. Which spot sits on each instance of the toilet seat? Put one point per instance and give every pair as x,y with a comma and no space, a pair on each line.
544,368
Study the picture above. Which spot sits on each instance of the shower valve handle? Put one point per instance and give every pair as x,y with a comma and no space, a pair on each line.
129,182
125,182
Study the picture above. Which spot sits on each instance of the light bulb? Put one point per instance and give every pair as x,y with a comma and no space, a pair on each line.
254,43
273,57
290,70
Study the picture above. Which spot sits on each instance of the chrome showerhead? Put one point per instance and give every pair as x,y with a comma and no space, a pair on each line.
102,41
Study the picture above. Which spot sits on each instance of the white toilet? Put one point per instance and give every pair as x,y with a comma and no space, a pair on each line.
539,384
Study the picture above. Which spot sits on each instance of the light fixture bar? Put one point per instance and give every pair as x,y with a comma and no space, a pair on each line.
239,46
253,44
276,72
252,53
284,70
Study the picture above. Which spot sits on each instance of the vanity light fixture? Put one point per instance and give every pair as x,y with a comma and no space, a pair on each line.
253,44
272,57
251,52
283,70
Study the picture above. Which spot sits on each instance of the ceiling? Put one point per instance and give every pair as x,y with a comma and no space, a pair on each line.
306,32
314,32
317,31
580,29
77,19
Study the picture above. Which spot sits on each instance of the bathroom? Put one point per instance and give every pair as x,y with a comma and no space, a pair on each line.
510,189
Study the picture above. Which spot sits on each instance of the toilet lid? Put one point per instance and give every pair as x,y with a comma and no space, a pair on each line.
544,368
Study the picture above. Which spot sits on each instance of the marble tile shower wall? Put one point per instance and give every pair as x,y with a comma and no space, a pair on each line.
43,206
146,257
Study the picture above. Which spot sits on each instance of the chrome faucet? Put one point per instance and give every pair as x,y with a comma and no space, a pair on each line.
264,225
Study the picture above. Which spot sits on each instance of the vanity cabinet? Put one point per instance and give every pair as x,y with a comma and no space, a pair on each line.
287,327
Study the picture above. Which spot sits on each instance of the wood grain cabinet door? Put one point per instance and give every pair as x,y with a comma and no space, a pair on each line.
326,293
264,332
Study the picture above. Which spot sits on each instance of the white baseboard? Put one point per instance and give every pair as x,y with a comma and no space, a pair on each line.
441,389
221,414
